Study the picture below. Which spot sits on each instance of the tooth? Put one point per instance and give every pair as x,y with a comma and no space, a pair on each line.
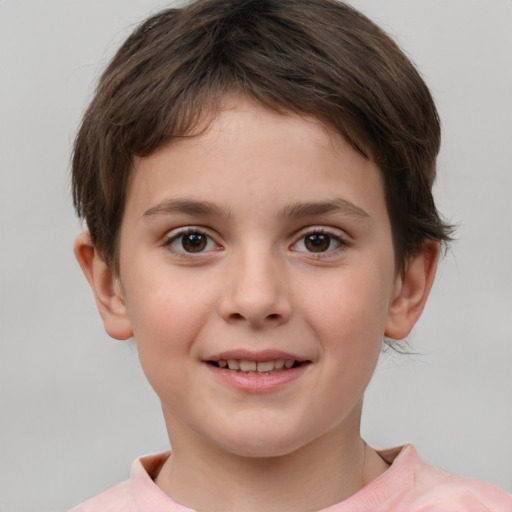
233,364
247,366
265,366
278,364
222,363
288,363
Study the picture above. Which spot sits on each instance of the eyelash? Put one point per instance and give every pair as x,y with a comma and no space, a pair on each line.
181,234
341,242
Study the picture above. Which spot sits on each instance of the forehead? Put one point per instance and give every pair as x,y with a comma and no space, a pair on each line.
249,156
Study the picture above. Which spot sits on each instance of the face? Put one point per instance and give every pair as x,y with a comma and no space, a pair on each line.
257,270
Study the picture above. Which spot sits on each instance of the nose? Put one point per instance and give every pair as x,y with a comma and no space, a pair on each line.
255,291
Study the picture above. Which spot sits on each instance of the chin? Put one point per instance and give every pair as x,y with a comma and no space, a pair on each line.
261,451
270,443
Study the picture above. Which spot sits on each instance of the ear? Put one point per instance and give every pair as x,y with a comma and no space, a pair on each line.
106,287
411,292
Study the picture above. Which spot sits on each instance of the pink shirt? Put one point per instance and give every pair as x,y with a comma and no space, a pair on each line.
409,485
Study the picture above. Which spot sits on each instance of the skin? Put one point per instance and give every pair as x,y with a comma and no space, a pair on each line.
247,186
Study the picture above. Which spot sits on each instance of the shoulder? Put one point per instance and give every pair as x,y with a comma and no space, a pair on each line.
459,493
136,494
115,499
434,490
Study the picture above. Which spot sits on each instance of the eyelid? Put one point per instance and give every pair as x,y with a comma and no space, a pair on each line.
338,234
174,235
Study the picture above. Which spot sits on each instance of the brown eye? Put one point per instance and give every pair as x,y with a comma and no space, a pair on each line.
191,242
317,242
194,242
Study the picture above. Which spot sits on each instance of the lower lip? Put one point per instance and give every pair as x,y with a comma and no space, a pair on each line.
257,383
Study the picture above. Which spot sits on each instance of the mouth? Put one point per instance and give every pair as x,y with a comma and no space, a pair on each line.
249,367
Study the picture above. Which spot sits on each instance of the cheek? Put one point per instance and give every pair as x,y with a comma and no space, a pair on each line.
351,307
349,316
164,304
164,332
166,319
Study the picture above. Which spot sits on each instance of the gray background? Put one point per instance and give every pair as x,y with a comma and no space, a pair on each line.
74,407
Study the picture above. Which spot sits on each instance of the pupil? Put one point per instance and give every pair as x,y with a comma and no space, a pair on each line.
194,242
317,242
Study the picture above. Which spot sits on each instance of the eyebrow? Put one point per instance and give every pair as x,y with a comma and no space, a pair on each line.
295,210
187,206
312,209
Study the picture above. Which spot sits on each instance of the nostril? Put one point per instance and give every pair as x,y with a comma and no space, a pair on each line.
239,316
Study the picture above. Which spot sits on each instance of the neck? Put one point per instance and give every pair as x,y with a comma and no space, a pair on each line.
313,477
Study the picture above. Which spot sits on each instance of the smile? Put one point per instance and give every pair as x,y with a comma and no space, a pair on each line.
257,367
257,372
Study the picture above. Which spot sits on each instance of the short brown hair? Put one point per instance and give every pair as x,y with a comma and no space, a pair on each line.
318,58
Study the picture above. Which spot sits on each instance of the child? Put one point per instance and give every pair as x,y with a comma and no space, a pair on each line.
256,180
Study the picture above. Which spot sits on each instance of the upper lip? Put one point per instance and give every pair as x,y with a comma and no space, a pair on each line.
250,355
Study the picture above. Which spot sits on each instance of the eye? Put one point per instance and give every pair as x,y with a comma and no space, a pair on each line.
318,241
191,241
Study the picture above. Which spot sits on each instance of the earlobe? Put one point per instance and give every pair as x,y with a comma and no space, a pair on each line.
106,288
411,292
